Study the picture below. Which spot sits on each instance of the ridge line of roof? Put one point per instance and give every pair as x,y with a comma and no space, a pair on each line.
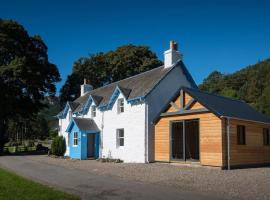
104,86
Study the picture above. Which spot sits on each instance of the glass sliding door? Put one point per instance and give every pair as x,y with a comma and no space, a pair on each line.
192,139
177,148
185,140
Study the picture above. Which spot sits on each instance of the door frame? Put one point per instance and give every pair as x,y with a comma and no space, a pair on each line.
184,139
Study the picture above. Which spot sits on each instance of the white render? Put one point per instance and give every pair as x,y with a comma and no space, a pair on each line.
132,120
63,124
136,120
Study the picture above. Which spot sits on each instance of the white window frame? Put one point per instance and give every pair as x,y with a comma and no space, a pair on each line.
119,138
93,111
120,106
75,139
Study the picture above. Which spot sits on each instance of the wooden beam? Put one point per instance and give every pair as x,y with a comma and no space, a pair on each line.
181,100
176,107
183,112
189,104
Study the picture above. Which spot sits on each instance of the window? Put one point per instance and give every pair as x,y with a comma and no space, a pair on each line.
120,105
93,111
75,139
69,115
120,137
266,139
241,135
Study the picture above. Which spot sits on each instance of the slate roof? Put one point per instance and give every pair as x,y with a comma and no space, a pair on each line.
85,124
73,105
132,87
223,106
136,86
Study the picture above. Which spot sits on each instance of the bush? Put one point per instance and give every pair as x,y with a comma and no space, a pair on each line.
13,143
29,143
58,146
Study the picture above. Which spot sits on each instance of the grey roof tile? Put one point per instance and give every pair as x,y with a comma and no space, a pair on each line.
132,87
223,106
85,124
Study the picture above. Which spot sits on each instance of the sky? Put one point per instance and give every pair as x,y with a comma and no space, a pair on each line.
223,35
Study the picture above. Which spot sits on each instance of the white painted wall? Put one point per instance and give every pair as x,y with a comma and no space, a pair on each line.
63,123
133,123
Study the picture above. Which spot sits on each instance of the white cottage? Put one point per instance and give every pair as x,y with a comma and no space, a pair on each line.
116,120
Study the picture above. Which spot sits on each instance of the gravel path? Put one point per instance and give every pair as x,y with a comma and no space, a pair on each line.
237,184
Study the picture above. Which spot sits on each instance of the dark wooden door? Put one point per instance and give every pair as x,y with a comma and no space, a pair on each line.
90,145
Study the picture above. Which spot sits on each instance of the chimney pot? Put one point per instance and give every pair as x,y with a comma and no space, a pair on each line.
172,55
173,45
86,87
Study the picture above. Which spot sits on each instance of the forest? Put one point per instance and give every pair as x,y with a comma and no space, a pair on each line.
250,84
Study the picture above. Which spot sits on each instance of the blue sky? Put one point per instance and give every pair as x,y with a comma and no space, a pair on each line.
222,35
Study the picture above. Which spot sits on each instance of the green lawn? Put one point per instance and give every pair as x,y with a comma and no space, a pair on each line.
14,187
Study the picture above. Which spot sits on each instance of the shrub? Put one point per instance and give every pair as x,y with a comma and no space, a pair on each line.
29,143
58,146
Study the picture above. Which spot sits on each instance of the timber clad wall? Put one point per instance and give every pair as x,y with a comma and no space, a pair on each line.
210,127
213,138
254,151
210,138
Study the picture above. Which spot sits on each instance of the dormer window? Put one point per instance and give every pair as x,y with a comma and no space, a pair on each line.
120,105
69,115
93,111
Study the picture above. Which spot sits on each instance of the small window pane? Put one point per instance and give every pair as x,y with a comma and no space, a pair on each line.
70,115
241,135
121,133
120,105
121,141
93,111
75,138
120,137
266,136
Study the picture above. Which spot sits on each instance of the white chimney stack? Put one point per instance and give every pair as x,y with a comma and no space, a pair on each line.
85,87
172,55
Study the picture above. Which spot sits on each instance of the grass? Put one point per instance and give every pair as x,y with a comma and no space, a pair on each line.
13,187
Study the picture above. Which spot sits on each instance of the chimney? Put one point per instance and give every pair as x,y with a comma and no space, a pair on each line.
85,87
172,55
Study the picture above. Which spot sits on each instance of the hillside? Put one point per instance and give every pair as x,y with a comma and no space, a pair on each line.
251,84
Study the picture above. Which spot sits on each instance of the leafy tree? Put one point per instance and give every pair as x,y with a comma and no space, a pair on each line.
213,82
104,68
26,75
251,84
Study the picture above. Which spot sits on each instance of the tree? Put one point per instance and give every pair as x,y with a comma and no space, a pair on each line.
251,84
213,82
26,75
105,68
